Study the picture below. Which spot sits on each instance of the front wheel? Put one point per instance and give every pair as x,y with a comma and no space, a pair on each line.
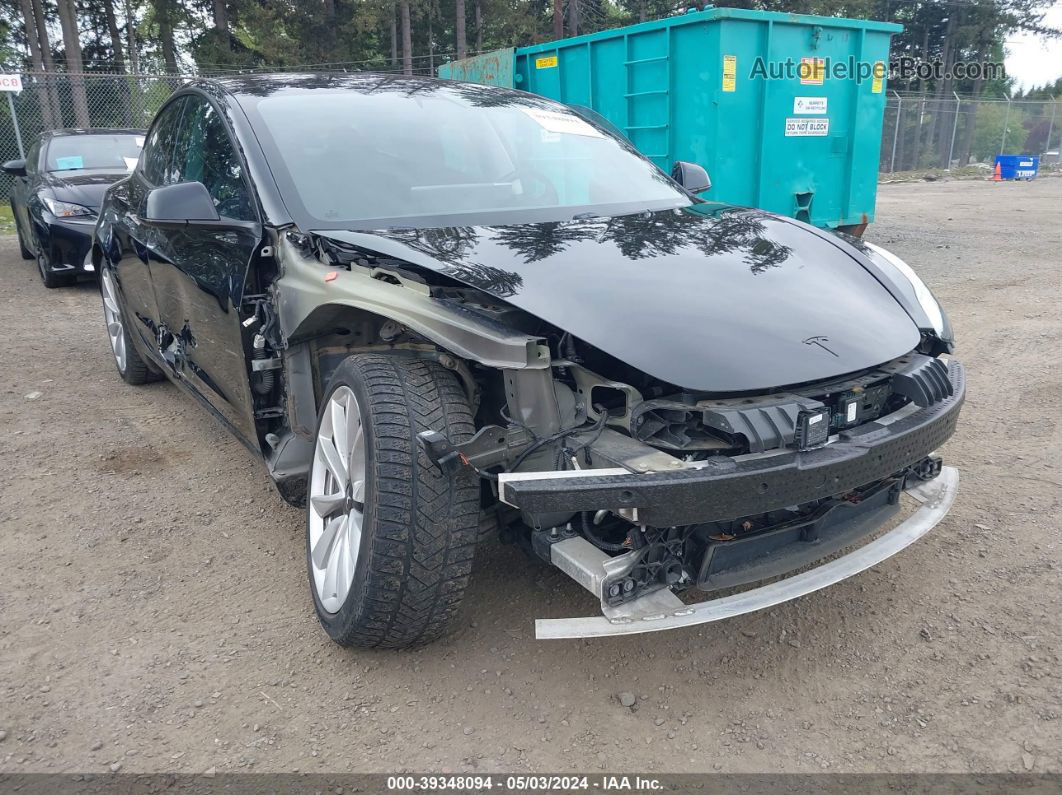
49,277
23,251
390,537
131,367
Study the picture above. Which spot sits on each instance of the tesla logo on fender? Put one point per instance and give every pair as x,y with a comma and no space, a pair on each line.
821,342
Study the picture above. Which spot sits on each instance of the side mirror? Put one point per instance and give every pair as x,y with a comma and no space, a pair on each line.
15,167
181,203
690,176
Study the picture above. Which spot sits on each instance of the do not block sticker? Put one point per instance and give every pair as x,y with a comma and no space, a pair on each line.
797,128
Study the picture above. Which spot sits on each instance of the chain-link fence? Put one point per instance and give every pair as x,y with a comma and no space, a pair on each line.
919,131
49,101
940,132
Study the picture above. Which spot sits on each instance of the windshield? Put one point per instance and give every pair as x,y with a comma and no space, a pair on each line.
117,152
450,156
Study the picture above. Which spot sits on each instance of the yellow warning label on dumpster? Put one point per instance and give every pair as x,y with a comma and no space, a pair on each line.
547,62
879,77
812,71
729,73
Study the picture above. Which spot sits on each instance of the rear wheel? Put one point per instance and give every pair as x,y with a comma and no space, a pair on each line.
131,367
49,277
390,537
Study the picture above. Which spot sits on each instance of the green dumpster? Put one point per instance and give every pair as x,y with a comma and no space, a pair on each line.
783,110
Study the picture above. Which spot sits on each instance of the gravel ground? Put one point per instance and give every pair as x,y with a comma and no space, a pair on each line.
154,613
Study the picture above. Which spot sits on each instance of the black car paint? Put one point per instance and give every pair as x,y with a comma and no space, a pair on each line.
65,241
708,297
182,286
652,289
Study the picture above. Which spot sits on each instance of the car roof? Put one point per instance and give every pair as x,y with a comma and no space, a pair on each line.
252,87
68,131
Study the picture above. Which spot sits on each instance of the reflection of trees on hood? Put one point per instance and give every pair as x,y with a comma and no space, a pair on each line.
536,242
454,247
499,283
742,232
651,235
451,244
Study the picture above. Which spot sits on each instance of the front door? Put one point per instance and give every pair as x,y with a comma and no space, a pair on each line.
129,243
200,273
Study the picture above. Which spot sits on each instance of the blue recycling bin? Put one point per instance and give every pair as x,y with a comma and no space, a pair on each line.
1018,166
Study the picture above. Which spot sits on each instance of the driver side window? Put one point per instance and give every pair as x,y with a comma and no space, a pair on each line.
204,153
158,148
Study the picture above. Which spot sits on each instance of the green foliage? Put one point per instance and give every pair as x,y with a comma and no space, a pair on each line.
988,135
265,34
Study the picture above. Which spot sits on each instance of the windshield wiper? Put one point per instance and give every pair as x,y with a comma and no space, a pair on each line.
584,216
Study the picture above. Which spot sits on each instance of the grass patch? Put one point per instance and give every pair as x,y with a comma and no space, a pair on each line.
7,221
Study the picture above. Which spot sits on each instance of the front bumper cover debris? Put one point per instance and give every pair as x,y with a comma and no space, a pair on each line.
729,488
662,610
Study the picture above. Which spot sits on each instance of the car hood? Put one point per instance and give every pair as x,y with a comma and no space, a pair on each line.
83,187
709,298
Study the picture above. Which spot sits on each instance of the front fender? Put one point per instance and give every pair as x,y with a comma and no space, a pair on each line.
308,288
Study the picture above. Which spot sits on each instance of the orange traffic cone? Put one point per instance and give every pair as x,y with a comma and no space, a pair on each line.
997,175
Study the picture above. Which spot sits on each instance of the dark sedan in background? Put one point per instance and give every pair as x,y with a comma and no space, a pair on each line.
57,193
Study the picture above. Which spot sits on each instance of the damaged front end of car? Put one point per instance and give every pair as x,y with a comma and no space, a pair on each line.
638,488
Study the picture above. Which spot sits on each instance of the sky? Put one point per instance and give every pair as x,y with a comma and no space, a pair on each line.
1033,60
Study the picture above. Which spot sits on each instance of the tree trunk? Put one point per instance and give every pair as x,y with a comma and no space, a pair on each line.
35,59
558,20
130,39
941,129
431,38
45,46
169,51
221,22
115,34
573,17
459,23
164,15
75,67
407,39
641,11
479,26
971,125
394,37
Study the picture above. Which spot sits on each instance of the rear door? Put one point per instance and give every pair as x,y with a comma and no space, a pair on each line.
200,274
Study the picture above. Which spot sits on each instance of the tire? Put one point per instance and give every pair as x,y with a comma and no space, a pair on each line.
408,551
50,278
130,366
23,252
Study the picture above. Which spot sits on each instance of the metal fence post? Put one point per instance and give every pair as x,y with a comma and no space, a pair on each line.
1006,121
1050,126
954,128
895,131
14,123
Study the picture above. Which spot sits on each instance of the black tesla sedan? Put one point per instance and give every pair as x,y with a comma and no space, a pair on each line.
57,193
438,311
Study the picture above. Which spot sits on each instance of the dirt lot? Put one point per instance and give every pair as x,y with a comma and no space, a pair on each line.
154,612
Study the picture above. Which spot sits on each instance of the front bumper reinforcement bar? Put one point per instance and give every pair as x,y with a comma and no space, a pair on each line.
663,610
723,488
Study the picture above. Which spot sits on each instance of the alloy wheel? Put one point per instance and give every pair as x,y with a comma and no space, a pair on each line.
337,499
111,313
